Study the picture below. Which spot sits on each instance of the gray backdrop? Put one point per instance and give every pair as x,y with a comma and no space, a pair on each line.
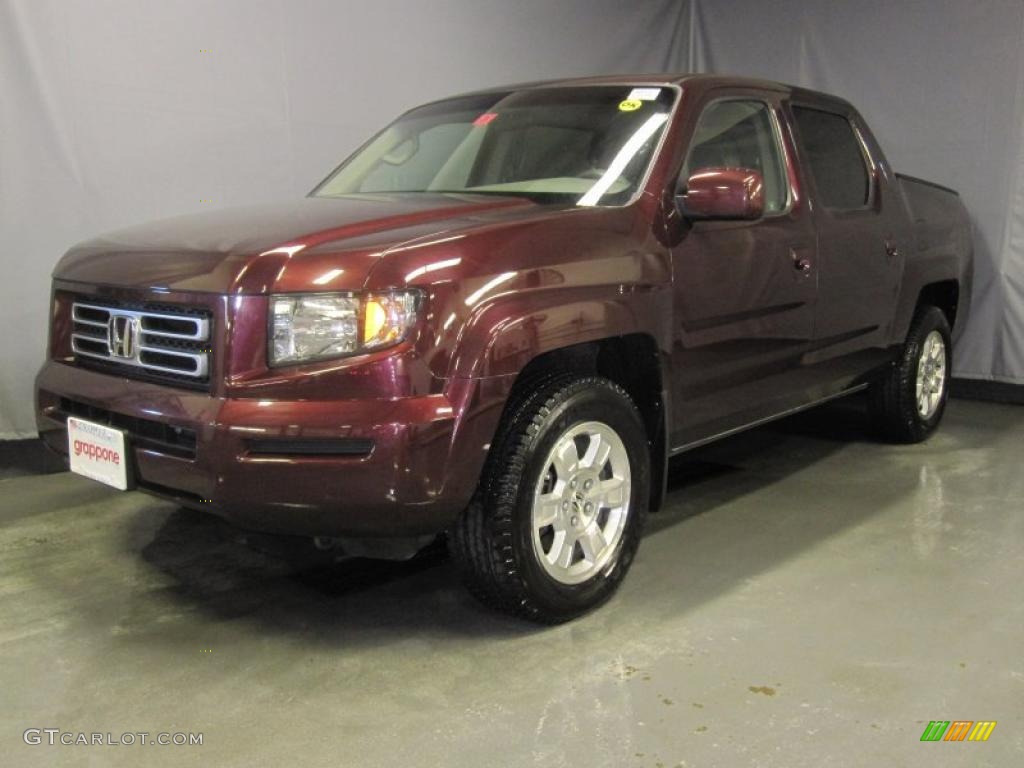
117,111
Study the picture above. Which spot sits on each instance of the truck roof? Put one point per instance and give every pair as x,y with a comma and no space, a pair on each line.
702,81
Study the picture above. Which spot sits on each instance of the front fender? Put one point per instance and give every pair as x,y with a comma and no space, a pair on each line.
502,338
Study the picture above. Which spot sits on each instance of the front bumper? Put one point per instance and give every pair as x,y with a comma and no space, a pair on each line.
414,480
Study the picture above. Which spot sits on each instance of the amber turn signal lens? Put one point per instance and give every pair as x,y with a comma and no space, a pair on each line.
387,317
376,319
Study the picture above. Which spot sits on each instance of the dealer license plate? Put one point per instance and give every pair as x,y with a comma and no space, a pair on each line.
98,452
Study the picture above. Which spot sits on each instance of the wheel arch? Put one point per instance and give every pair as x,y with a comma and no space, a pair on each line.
930,287
944,294
620,331
634,362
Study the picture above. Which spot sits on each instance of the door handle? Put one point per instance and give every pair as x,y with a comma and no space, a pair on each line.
891,250
801,263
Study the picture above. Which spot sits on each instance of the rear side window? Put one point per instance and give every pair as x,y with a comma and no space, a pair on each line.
836,160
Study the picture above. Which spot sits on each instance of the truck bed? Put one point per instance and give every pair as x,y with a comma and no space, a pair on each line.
939,220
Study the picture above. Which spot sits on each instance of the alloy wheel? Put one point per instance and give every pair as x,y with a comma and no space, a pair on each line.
581,502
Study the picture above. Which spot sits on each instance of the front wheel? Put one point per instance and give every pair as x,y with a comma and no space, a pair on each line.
558,516
908,402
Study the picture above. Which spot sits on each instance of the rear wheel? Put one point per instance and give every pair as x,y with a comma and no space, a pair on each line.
557,520
908,402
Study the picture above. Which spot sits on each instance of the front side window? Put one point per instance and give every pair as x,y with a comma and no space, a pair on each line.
835,157
740,134
590,145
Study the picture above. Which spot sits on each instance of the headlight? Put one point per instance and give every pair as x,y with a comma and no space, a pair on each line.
318,326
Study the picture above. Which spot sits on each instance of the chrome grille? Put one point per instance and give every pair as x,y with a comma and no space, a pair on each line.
158,341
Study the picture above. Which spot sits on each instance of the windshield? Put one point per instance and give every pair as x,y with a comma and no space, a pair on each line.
589,145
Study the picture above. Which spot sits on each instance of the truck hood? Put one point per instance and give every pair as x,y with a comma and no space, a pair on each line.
250,250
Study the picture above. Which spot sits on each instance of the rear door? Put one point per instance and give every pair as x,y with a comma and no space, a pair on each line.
858,261
744,291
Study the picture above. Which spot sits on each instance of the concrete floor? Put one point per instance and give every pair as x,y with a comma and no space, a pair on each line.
808,598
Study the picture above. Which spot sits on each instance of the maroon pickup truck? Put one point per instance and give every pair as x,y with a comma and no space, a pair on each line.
500,318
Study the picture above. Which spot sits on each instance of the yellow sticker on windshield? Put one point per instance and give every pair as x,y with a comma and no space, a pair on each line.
630,105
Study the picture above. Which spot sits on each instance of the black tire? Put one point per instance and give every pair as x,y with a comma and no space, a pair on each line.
892,400
492,542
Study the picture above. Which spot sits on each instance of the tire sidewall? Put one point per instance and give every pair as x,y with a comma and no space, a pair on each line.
604,405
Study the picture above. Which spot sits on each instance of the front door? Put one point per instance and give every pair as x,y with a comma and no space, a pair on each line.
744,291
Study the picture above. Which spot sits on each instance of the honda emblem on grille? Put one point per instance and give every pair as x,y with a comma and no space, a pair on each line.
122,333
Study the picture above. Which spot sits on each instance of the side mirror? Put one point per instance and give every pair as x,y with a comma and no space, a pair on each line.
723,193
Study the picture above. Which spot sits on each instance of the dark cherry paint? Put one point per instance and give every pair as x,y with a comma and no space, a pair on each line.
750,318
724,193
